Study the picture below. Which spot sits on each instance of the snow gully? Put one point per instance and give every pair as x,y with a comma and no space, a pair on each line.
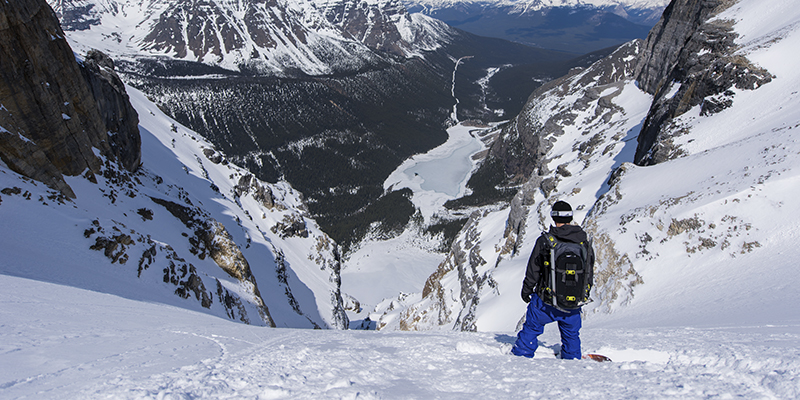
454,116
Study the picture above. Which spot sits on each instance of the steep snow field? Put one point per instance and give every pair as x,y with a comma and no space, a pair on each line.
721,225
174,167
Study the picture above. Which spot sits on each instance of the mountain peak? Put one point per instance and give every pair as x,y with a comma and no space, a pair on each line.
315,37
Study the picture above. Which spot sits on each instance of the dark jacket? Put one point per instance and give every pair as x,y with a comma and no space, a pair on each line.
534,274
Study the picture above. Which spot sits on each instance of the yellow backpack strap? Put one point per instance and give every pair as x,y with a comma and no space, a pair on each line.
551,244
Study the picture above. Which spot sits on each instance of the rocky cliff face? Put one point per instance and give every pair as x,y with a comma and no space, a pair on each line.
121,120
55,112
519,155
689,60
385,26
211,239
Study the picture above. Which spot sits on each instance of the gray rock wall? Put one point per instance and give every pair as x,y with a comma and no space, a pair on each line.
687,50
121,120
51,117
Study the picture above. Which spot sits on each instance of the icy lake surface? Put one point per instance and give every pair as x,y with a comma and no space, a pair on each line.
386,268
446,175
440,174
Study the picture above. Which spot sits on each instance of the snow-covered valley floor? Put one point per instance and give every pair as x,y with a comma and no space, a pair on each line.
61,342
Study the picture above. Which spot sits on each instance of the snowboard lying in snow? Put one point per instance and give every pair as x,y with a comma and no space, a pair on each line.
544,351
596,357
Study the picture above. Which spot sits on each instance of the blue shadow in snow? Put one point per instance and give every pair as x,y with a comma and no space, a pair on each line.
625,155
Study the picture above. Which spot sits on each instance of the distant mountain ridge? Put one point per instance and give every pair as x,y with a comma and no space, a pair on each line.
529,6
569,25
263,37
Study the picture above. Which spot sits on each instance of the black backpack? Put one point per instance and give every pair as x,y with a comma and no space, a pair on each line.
566,273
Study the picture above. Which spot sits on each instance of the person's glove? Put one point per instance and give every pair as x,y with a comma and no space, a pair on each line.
526,297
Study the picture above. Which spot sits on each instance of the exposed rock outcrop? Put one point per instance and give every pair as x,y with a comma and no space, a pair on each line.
447,305
212,240
53,114
527,139
120,244
250,184
374,25
695,53
121,120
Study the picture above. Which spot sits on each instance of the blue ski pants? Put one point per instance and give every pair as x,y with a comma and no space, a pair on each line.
540,314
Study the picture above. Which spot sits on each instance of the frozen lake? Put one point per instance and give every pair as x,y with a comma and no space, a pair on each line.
447,175
440,174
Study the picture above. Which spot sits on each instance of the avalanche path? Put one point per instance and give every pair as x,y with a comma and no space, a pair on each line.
454,117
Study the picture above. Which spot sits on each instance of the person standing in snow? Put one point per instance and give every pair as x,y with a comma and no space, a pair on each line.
534,291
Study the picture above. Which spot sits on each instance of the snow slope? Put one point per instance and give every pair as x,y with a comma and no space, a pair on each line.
295,273
714,232
69,343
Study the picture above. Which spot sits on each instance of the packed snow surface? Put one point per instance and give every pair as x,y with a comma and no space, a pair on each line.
60,342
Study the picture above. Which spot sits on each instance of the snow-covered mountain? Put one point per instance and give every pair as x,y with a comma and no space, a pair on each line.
578,26
265,37
151,212
523,6
696,229
342,79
